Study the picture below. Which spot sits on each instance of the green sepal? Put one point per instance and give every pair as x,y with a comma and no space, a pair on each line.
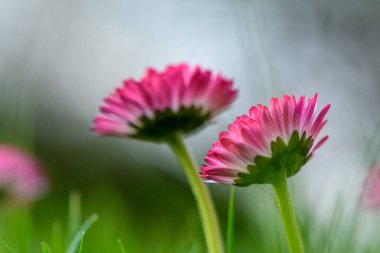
289,157
164,123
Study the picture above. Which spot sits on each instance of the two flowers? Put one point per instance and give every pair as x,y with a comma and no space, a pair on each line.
182,99
266,146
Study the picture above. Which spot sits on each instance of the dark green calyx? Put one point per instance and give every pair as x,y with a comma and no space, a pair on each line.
165,123
288,157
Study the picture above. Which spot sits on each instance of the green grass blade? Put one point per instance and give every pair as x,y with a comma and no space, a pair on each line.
56,243
79,235
45,247
81,243
122,248
5,245
194,249
74,212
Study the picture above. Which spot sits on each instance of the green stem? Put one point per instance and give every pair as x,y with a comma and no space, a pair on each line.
202,196
231,216
287,214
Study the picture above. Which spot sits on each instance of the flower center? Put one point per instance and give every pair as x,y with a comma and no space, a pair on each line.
165,123
289,157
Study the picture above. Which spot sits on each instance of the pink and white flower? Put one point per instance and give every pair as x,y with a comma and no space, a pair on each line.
256,146
371,190
179,99
21,178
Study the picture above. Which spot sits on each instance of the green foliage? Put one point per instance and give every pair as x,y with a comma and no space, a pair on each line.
78,238
257,227
122,248
81,243
290,157
45,248
7,247
74,213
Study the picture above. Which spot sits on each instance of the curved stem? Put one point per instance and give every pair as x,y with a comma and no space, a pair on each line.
201,194
231,217
287,214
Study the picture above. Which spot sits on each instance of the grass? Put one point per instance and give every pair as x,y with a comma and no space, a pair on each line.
114,229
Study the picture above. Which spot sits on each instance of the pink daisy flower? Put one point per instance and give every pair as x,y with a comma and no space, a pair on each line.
179,99
21,178
371,191
256,146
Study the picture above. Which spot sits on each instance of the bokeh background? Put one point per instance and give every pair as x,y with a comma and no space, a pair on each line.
60,58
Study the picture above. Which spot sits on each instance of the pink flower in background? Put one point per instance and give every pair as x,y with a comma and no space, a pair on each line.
21,178
179,99
371,189
256,146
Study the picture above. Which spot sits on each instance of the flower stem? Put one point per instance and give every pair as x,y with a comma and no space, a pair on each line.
201,194
287,214
231,217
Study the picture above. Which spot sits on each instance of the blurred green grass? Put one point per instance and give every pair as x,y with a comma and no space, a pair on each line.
160,228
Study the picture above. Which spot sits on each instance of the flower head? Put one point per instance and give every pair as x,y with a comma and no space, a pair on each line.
21,178
179,99
268,140
371,191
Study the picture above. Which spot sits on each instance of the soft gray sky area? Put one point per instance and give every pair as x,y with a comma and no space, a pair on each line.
60,58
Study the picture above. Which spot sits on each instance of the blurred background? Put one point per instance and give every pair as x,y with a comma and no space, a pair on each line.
59,59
